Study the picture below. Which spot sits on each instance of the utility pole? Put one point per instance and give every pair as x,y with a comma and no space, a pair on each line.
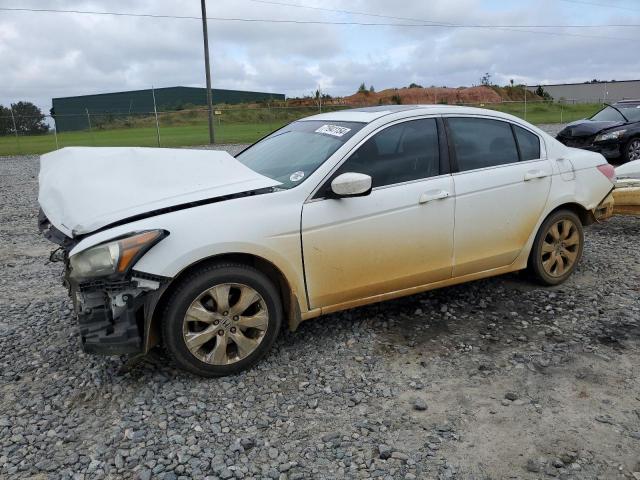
155,112
207,68
15,129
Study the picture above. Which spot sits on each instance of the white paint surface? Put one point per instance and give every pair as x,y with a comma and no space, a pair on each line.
83,189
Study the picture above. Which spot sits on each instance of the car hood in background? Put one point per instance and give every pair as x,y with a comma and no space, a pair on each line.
83,189
585,128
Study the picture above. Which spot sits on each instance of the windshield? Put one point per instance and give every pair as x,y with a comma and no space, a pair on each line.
608,114
294,152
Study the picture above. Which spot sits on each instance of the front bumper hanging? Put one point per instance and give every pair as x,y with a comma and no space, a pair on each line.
105,334
112,315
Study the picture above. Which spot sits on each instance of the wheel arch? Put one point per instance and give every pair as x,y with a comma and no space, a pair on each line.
290,303
586,216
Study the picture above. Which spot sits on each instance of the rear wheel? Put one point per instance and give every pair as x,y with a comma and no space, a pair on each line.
557,248
221,320
632,150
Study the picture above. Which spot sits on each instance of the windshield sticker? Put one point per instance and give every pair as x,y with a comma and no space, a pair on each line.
296,176
334,130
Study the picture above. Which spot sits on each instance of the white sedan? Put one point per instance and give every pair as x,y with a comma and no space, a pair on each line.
210,254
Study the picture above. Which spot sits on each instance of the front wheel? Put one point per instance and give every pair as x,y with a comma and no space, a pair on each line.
221,319
557,248
632,150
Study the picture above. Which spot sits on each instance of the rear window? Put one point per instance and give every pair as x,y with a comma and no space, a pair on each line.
294,152
482,143
529,144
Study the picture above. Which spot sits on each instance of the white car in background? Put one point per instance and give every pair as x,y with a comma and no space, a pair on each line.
210,254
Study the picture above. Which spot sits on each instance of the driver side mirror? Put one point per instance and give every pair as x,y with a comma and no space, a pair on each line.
351,184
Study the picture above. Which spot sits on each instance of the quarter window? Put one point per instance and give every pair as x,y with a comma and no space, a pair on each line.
481,143
400,153
529,144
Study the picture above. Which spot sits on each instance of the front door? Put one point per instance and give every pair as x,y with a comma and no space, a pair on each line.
399,236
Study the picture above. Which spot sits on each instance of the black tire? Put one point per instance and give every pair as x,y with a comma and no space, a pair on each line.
631,150
190,288
536,259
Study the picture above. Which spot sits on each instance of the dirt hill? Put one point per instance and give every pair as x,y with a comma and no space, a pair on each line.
433,95
425,95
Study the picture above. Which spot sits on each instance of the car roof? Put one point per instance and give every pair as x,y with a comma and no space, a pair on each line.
369,114
628,102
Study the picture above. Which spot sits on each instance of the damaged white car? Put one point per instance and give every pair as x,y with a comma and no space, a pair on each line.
209,254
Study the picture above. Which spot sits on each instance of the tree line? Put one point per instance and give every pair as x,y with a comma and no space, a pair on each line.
28,119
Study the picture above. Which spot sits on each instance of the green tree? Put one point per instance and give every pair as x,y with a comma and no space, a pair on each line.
371,89
29,118
541,92
6,125
415,85
362,88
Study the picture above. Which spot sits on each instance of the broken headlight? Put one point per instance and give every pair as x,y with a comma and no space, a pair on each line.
610,136
114,257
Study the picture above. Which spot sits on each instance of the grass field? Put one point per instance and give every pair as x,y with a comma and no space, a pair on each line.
538,113
173,136
188,128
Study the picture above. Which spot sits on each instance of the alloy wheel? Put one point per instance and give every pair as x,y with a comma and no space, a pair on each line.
634,150
225,323
560,248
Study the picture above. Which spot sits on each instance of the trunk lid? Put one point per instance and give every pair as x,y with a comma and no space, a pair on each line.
83,189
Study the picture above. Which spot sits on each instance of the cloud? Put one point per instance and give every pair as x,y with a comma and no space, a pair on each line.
47,55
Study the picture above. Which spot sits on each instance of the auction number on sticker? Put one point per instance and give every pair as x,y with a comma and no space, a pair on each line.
334,130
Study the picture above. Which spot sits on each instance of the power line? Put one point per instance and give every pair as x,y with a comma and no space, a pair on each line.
432,22
595,4
424,24
417,22
511,28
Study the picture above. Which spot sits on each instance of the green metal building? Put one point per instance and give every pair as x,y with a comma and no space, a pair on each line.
70,113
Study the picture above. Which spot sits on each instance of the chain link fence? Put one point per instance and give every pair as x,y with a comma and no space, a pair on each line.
189,127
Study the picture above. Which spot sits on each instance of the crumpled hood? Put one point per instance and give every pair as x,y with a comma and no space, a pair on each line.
83,189
585,128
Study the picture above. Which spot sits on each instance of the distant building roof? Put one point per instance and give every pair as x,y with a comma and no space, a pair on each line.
580,83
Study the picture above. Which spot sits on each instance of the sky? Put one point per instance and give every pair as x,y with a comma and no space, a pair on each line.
45,55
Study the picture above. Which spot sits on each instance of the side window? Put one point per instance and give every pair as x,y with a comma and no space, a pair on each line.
529,144
481,143
400,153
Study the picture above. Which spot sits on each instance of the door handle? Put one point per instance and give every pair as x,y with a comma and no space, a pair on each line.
433,195
533,174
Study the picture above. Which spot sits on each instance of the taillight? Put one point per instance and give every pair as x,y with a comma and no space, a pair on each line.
608,171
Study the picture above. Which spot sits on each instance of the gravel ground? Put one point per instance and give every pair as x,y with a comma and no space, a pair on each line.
552,128
493,379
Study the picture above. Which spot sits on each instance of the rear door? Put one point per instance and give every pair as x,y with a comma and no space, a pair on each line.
502,183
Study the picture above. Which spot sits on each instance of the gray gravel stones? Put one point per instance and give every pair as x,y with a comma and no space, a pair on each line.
337,398
419,404
534,465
